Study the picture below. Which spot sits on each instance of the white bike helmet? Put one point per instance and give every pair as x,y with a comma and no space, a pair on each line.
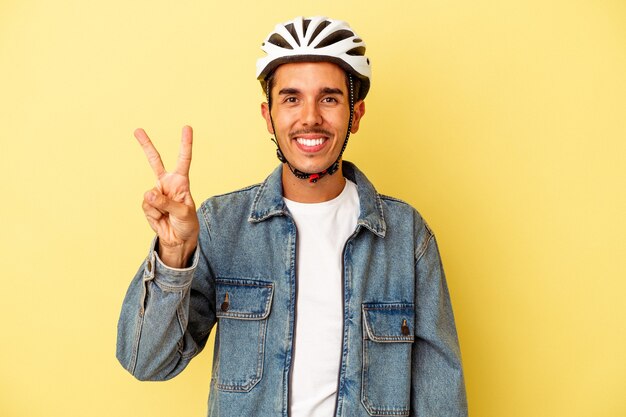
315,39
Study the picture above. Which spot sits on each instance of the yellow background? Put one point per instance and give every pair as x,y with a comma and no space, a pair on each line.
503,122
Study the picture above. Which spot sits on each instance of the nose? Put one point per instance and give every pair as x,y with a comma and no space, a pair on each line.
311,114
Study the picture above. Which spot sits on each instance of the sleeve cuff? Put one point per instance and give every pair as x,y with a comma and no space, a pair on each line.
154,268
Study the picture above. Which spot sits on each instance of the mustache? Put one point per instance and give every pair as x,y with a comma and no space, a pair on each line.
318,131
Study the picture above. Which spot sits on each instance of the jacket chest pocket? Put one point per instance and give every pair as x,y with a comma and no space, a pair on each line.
388,335
242,309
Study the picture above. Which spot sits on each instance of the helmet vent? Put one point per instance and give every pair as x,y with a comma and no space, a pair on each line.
318,29
358,51
305,25
335,37
357,40
278,40
292,30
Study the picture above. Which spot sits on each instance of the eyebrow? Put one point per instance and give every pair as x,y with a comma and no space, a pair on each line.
325,90
328,90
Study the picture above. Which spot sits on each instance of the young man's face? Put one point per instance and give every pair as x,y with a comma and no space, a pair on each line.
311,110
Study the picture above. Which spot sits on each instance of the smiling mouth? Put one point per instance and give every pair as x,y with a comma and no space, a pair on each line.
310,142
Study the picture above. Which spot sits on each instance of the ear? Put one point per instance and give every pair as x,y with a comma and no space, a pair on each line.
265,112
359,111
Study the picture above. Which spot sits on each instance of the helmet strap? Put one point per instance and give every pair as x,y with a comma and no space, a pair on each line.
334,167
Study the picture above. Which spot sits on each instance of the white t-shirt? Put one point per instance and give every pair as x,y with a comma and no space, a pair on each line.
323,229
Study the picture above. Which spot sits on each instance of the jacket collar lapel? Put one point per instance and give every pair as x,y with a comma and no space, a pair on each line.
269,202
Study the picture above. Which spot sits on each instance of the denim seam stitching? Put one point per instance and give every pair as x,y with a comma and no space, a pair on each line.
422,249
205,218
171,288
133,360
239,281
180,316
397,200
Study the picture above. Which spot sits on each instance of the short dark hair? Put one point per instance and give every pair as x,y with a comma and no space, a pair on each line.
269,84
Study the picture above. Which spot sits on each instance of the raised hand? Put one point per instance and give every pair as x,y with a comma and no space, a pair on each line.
169,207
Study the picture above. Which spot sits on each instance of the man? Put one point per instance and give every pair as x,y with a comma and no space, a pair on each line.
329,298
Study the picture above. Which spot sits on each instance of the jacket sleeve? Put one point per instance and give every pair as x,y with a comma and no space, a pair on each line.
166,316
438,388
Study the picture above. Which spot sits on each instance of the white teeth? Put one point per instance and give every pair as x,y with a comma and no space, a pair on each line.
310,142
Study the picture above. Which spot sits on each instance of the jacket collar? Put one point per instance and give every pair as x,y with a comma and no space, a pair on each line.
269,202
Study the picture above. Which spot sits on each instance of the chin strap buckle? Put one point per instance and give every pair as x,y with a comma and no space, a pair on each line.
314,177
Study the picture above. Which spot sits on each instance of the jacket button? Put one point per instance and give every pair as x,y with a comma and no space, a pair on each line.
405,328
225,304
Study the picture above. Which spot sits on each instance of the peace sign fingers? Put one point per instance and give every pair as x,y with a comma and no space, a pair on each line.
151,153
169,207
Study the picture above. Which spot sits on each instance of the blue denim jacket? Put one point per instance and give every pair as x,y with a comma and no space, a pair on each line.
400,354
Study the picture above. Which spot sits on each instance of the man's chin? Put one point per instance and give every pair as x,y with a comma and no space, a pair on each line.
311,168
309,165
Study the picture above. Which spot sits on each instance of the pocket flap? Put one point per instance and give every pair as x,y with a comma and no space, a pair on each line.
243,299
384,322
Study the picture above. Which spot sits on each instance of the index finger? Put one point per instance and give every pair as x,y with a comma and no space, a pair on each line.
151,153
184,156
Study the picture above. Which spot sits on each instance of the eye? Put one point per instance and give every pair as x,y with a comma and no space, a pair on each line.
329,99
291,99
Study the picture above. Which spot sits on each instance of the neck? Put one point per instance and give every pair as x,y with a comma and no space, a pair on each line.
303,191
